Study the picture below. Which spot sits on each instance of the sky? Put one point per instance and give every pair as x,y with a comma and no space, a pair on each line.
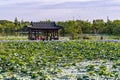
59,10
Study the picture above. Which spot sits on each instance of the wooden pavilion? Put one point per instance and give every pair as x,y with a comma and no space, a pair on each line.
43,30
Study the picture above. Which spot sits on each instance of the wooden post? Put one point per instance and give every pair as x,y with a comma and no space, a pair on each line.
35,33
54,33
29,33
57,35
47,35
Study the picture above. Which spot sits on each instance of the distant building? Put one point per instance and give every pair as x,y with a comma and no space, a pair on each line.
49,29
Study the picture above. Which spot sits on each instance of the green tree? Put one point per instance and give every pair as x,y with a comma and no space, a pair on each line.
116,27
62,31
1,27
85,26
98,26
16,22
21,25
6,25
73,29
109,27
24,25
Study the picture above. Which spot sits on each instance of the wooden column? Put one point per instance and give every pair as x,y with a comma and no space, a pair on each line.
29,34
54,33
35,33
50,35
47,35
57,34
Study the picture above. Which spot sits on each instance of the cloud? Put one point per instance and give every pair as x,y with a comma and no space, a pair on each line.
10,2
59,9
78,5
72,5
60,4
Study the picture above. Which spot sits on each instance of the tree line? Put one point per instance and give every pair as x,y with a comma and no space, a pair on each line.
16,25
71,27
98,26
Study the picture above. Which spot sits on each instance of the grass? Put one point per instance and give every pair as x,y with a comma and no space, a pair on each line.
13,38
98,37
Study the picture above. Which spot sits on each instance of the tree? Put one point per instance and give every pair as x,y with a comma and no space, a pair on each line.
16,22
116,27
1,27
73,28
98,26
24,25
62,31
6,25
109,27
85,26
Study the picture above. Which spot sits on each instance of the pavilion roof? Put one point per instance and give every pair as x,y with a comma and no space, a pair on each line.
44,25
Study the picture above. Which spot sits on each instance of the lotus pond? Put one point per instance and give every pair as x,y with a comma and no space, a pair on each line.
59,60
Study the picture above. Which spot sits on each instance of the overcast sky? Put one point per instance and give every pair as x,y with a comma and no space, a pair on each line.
58,10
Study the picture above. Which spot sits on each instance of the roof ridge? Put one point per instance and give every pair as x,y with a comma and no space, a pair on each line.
44,25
